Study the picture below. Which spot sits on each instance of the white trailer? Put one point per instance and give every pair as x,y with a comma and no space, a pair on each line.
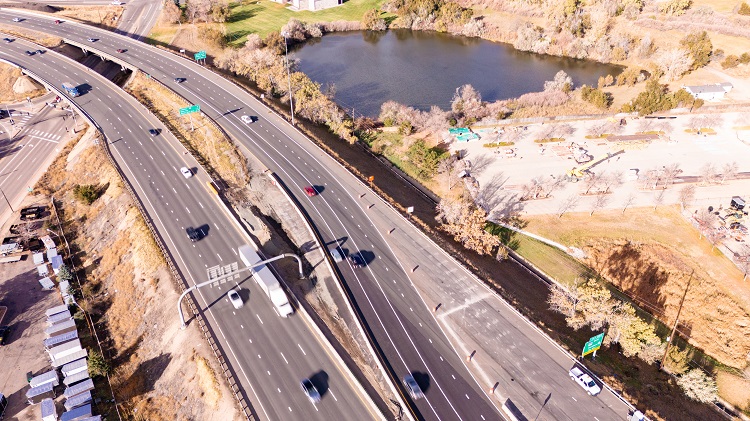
44,378
49,412
267,281
60,339
75,378
59,328
75,367
77,400
59,317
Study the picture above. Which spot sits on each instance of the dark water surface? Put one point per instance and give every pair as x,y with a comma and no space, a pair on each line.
421,69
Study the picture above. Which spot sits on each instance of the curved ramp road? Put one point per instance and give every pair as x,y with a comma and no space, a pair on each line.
403,326
269,354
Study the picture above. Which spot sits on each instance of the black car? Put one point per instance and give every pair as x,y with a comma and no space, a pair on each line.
30,53
153,132
310,391
193,234
356,261
4,334
179,79
7,40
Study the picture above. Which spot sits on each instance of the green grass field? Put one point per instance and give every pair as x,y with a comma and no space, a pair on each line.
263,16
550,260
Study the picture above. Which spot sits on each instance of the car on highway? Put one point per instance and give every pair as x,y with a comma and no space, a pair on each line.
30,53
585,381
235,299
4,334
92,40
8,40
179,79
412,387
193,234
336,255
120,50
153,132
310,191
16,19
58,21
40,51
356,261
116,3
247,119
186,172
310,390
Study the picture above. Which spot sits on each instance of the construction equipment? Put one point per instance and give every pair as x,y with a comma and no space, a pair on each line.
577,173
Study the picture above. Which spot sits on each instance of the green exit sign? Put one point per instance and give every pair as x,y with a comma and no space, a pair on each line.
200,55
189,110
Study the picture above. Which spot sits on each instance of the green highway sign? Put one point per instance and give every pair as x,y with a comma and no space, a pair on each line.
593,344
190,109
200,55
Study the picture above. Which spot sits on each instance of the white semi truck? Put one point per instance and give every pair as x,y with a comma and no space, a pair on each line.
267,281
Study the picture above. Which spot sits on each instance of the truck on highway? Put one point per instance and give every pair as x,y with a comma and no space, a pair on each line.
70,89
585,381
267,281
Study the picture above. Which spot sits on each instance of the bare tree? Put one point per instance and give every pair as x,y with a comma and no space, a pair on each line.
553,184
674,63
708,174
569,203
647,125
729,171
170,13
743,261
650,179
611,181
628,201
600,202
562,301
686,196
659,197
713,236
705,220
669,173
562,130
599,129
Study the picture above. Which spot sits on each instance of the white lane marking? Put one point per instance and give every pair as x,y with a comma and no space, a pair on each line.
300,347
282,356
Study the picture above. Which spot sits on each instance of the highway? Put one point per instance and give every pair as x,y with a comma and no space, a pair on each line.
403,326
269,354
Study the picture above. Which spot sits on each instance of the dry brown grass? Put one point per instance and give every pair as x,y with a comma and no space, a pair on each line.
106,16
8,76
188,38
31,35
206,141
734,389
207,381
650,256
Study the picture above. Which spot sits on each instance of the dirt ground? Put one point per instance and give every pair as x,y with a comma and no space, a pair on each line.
161,372
8,76
24,351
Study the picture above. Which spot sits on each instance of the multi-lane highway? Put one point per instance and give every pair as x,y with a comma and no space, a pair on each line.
269,354
404,328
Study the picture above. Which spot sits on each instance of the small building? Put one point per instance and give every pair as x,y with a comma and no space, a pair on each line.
713,92
48,243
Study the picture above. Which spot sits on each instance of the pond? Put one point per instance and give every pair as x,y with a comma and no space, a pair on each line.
422,69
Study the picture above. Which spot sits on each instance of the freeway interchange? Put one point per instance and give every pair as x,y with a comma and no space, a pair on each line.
401,323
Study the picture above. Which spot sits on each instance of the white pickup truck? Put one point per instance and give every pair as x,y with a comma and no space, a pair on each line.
585,381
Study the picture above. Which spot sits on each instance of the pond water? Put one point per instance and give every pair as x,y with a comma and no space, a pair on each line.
421,69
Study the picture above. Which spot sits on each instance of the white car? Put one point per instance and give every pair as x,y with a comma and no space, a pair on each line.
246,119
235,299
585,381
92,40
186,172
16,19
116,3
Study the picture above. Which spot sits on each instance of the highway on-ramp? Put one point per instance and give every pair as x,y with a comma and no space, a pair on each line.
269,354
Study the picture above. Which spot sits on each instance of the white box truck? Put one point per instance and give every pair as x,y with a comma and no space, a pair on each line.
267,281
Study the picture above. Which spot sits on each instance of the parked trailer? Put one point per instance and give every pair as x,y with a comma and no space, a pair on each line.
62,327
77,400
64,349
49,412
44,378
83,387
77,414
75,367
267,281
59,317
55,310
60,361
37,394
75,378
60,339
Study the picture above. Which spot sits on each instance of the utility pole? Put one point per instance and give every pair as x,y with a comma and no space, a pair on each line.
6,200
288,74
677,319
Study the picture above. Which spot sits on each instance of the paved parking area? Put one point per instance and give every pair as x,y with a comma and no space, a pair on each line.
690,151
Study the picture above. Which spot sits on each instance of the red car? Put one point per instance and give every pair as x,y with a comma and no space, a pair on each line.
311,191
121,51
57,22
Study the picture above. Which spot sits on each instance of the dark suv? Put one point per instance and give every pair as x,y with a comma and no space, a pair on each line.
193,234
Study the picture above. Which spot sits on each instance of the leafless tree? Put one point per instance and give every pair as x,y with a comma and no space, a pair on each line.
170,13
713,236
533,189
449,169
686,195
647,125
664,126
562,301
674,63
562,130
669,173
729,171
705,220
708,174
598,129
591,181
513,135
553,184
569,203
659,197
600,202
743,261
610,181
650,179
628,201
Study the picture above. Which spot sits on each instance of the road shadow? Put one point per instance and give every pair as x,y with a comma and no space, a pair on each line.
203,230
367,256
422,379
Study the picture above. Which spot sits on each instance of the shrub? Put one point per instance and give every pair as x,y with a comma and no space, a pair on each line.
700,47
730,61
372,21
675,7
64,274
86,193
745,58
596,96
424,158
698,386
654,98
744,9
98,366
629,76
498,144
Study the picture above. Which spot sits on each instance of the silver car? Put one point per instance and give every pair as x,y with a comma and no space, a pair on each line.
413,388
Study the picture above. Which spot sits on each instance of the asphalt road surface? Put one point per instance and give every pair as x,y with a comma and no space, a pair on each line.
27,147
402,325
270,354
